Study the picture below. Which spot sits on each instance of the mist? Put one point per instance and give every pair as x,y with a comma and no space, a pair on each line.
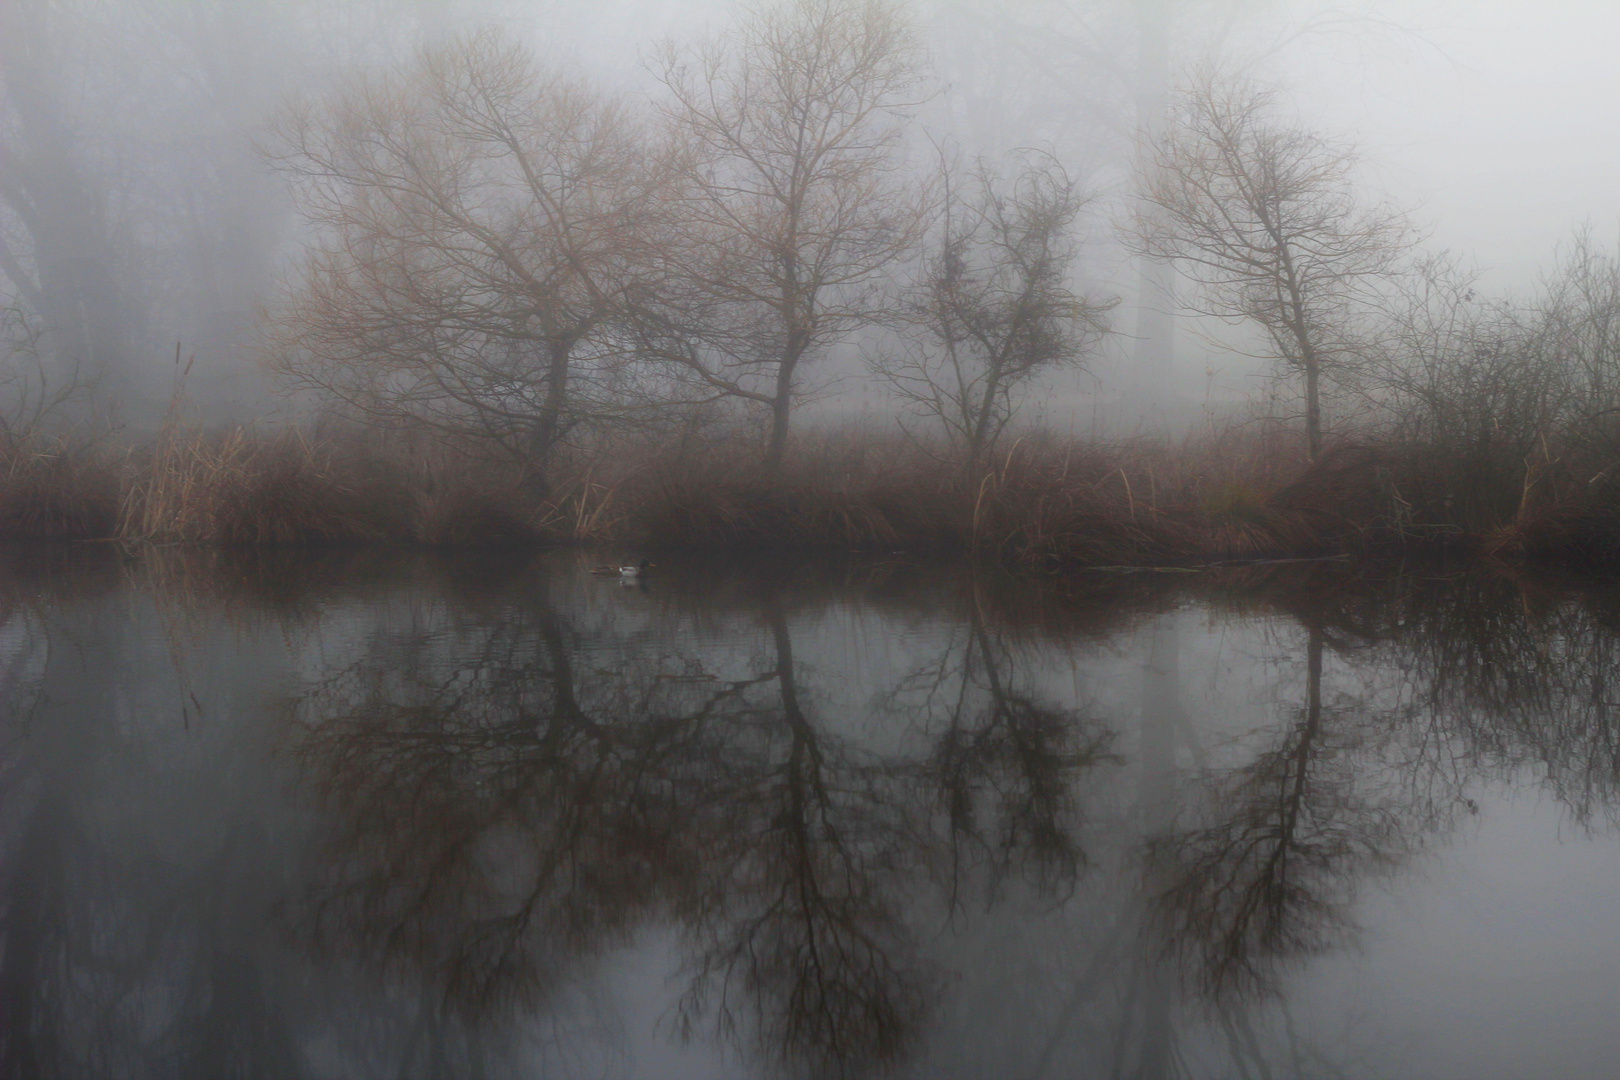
808,537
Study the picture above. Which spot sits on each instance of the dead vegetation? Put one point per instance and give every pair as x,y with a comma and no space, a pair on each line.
1226,495
49,491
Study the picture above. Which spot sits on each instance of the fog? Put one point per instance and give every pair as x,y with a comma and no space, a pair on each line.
138,212
987,378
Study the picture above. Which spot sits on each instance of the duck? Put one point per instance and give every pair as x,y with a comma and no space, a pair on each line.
608,570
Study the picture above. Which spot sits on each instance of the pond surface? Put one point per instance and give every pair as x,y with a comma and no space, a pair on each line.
401,816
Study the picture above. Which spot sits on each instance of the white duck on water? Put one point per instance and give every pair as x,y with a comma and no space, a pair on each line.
631,571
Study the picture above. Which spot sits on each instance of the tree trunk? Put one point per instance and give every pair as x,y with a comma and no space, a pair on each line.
1153,369
1313,678
781,412
79,296
548,425
1313,412
979,436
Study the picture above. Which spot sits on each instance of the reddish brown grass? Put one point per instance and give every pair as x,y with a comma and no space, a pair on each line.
472,517
47,491
235,488
1232,494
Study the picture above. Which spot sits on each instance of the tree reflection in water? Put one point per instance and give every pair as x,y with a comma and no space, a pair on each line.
120,956
945,869
499,820
1265,872
507,814
1007,767
1264,865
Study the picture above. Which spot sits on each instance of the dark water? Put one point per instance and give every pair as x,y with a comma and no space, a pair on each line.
370,816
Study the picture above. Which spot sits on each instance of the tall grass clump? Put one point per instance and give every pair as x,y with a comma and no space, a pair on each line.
50,490
455,512
1043,503
237,487
1048,504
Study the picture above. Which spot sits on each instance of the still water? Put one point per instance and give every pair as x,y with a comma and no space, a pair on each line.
400,816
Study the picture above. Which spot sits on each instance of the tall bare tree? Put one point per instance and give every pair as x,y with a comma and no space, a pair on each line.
476,220
993,309
1263,217
795,203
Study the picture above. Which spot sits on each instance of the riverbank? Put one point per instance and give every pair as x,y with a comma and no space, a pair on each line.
1045,504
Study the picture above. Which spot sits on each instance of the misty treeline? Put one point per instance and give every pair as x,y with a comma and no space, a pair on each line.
507,255
507,268
134,210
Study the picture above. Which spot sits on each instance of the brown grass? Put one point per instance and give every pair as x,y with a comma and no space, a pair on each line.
48,491
1585,532
852,493
472,517
235,488
1092,505
1233,494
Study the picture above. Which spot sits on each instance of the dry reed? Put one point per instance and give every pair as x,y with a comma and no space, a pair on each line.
235,488
49,491
1231,494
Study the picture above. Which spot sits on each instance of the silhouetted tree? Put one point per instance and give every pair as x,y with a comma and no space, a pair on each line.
796,200
993,310
477,217
1261,215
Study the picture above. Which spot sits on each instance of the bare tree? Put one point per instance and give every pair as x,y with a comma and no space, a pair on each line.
795,201
1512,401
60,254
1578,330
1262,216
477,217
993,310
32,396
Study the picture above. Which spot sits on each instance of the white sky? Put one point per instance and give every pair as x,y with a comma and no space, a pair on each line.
1499,121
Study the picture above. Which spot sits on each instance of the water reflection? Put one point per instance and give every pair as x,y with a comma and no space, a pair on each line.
514,802
419,819
1266,871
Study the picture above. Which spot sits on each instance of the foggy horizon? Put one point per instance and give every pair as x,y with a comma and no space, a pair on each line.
1484,121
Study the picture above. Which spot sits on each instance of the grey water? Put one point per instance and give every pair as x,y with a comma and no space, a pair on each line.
383,815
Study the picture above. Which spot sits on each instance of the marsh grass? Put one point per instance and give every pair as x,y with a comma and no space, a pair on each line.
238,487
1238,493
48,490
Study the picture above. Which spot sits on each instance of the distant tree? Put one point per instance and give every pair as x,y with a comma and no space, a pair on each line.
33,396
1263,218
992,310
133,209
1577,320
796,200
475,223
61,256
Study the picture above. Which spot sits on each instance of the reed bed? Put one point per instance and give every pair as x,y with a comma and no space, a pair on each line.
49,491
1231,495
235,488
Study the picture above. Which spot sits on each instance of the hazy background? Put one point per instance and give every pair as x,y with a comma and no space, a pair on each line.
131,186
